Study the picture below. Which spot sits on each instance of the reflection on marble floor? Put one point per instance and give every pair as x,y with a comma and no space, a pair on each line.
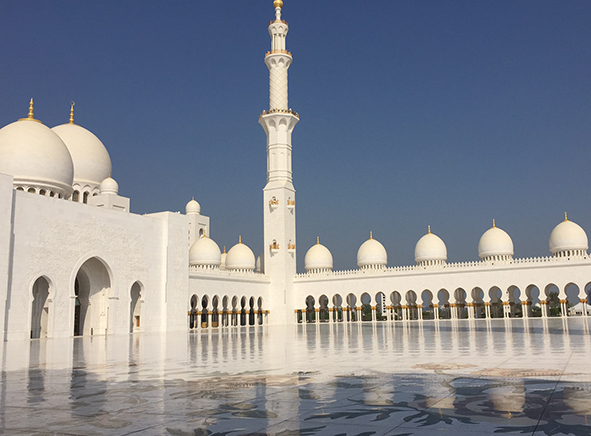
461,377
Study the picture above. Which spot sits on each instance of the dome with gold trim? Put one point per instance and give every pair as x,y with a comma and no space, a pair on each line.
430,250
92,163
495,245
372,254
36,157
568,239
318,259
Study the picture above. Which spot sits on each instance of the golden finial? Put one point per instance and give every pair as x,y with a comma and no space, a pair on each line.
429,229
317,240
277,4
225,249
240,239
30,117
205,233
72,112
370,234
494,225
565,217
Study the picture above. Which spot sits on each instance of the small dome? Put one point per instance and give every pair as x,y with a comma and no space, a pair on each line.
193,208
318,258
495,243
35,156
205,252
240,257
109,186
223,262
92,163
260,265
430,248
568,236
371,254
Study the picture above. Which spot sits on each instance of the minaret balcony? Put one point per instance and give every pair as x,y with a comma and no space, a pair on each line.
291,248
291,204
279,111
273,204
272,52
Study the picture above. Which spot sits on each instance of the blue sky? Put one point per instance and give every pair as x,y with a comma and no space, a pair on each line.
413,113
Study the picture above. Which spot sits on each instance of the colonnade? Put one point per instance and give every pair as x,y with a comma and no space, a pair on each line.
510,302
235,311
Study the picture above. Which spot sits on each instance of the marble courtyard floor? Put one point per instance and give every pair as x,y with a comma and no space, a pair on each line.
467,377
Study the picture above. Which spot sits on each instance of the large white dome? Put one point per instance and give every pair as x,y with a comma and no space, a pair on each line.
205,253
92,163
36,157
318,258
495,244
240,257
371,254
568,236
430,249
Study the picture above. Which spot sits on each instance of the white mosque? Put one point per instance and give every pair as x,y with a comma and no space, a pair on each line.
75,261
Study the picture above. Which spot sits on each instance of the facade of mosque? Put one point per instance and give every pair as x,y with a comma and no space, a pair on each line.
75,261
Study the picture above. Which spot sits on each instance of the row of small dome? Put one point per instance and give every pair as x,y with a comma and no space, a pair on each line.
567,239
54,159
205,253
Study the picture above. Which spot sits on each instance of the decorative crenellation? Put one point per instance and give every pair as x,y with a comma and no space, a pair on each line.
227,273
447,266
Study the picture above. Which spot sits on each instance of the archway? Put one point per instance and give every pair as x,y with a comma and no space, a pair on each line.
351,312
193,313
460,304
323,313
572,304
427,303
135,309
251,314
396,300
366,312
381,314
411,305
532,301
243,317
443,310
496,302
310,313
225,321
204,311
552,301
215,317
337,302
91,288
260,311
40,309
477,309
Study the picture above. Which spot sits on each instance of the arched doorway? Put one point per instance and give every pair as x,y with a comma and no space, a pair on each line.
91,288
135,307
40,309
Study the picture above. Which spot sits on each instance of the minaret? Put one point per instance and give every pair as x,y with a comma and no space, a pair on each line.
279,193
